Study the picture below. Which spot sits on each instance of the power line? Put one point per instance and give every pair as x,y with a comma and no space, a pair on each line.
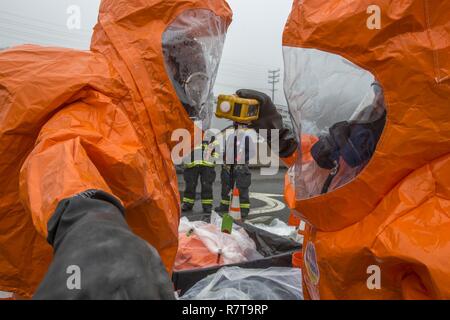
246,64
23,37
38,28
243,77
17,38
234,86
36,34
40,21
227,66
274,78
236,70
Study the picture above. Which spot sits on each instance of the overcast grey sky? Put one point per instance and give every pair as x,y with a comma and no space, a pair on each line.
253,42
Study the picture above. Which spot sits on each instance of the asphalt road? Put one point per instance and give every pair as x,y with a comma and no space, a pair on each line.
266,196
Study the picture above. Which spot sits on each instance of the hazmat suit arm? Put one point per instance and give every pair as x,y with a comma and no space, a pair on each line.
80,148
86,165
53,173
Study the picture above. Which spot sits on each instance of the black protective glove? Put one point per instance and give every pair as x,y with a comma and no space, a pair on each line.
270,119
89,231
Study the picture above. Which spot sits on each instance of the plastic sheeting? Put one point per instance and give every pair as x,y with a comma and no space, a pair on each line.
234,283
323,88
6,295
334,100
276,251
279,228
204,245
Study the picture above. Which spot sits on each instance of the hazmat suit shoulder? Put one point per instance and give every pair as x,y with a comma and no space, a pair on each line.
35,84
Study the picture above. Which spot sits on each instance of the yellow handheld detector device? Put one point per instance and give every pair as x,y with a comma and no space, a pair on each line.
237,109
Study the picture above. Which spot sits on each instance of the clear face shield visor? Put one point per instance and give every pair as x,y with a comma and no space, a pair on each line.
192,47
338,106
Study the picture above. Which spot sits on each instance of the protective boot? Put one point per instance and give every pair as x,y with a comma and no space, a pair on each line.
222,208
186,207
244,213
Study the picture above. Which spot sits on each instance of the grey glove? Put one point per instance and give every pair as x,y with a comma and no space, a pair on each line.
89,231
270,119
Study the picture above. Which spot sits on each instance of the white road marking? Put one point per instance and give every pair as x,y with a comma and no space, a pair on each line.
270,195
272,205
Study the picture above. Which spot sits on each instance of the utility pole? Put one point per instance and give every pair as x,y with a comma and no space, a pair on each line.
274,78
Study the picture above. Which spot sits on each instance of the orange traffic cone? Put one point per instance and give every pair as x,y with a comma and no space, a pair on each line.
235,207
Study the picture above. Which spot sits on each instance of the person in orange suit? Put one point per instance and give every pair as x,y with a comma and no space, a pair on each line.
307,142
377,193
85,139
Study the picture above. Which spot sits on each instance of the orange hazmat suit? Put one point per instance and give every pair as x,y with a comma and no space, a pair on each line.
100,119
394,216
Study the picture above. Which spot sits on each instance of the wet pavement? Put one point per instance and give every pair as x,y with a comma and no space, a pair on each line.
266,196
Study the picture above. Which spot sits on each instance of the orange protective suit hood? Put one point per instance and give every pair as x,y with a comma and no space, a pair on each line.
409,56
130,36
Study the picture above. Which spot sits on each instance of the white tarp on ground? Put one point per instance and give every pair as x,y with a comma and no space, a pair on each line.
234,283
